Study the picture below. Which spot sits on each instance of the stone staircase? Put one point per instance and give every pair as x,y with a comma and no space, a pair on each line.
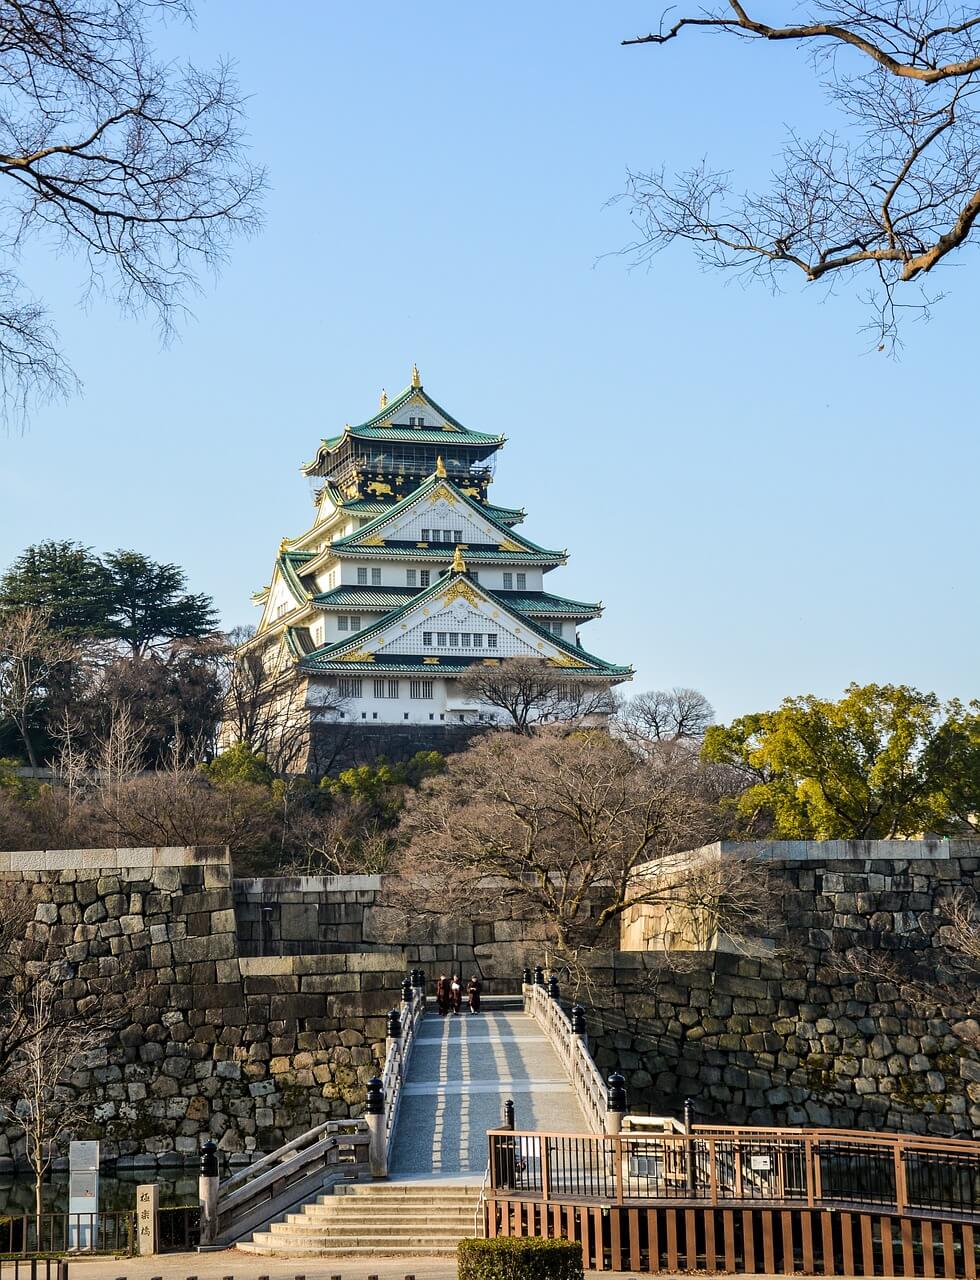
394,1219
461,1071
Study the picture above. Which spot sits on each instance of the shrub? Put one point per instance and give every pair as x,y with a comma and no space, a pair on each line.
519,1258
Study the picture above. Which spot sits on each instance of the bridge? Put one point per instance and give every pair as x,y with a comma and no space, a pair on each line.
641,1194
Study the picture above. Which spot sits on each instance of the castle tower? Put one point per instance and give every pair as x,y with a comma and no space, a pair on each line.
409,575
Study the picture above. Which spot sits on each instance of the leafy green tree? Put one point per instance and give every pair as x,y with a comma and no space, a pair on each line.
239,764
149,606
67,581
956,759
869,766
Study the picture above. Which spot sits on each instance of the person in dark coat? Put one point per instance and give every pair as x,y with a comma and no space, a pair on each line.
473,994
442,996
455,994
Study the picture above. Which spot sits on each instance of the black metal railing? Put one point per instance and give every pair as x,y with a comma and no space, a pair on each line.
25,1234
179,1228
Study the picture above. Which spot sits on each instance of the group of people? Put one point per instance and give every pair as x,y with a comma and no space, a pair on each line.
449,994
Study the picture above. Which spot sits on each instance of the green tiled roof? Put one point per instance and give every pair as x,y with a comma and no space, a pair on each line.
380,428
289,564
350,597
370,507
299,641
544,603
482,553
325,658
425,488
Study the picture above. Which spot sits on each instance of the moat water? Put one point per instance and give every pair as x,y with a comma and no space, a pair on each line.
117,1190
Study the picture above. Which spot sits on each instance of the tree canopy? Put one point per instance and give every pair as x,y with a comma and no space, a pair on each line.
883,761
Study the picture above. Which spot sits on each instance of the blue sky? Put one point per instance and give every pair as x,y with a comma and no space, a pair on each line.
765,507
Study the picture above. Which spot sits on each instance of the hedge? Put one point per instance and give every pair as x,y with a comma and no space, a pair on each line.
519,1258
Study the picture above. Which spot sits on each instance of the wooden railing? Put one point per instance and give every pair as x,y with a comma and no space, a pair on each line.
261,1191
573,1052
818,1168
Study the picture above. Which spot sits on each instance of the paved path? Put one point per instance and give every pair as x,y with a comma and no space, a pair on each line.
461,1072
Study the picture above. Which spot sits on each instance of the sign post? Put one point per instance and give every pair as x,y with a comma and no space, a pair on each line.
83,1195
147,1206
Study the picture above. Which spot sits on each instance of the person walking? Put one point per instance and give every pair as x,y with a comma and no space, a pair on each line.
473,994
442,995
455,995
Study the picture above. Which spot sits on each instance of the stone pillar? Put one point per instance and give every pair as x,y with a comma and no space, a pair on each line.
207,1191
579,1028
147,1207
374,1115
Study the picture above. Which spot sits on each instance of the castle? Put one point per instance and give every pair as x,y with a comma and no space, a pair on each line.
409,576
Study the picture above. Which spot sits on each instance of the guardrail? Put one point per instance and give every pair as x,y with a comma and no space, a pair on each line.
385,1092
286,1177
23,1234
818,1168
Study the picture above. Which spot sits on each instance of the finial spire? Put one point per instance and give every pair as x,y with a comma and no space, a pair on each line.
416,379
440,468
384,398
459,564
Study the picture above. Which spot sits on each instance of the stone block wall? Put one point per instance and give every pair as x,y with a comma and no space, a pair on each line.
795,1037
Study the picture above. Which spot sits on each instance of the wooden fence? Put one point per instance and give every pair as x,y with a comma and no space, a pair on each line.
778,1202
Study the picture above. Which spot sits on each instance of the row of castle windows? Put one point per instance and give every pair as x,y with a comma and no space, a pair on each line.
353,687
459,639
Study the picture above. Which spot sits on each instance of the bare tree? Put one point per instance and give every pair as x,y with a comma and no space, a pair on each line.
133,165
30,655
529,691
665,715
571,830
265,704
37,1097
892,194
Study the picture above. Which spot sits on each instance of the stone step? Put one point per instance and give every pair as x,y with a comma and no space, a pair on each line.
357,1232
434,1249
443,1190
372,1213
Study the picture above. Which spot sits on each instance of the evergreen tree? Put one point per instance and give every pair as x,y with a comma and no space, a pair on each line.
148,604
67,581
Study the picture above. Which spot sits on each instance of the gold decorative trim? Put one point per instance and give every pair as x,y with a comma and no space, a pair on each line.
359,655
416,380
431,662
508,545
374,541
440,468
460,588
566,660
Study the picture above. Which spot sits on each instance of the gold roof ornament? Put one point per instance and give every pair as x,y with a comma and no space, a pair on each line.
440,468
384,398
416,377
459,564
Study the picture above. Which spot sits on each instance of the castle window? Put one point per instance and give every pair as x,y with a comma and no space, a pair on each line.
386,688
508,581
420,688
464,640
441,639
350,686
491,641
410,577
355,622
522,582
425,535
342,622
427,639
362,577
423,577
477,640
375,577
454,639
474,576
458,535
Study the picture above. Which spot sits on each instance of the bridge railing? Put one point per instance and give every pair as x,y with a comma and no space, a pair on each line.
385,1092
817,1168
250,1198
571,1046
